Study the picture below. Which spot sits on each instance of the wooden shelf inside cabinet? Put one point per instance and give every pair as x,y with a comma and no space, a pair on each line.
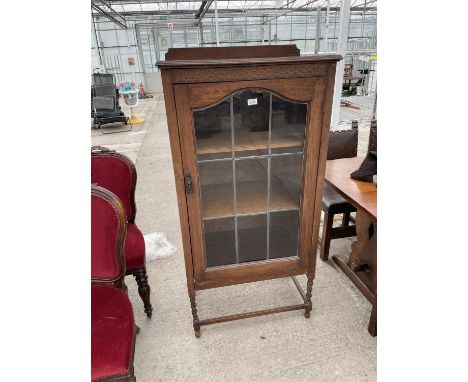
244,141
251,199
248,129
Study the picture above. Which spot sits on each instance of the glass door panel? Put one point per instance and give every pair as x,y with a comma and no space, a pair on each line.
216,181
249,153
213,131
251,111
252,238
220,242
284,232
251,185
288,120
285,184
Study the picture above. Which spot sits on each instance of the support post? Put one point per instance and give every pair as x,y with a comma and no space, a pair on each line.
345,14
317,31
305,33
269,32
130,50
374,109
101,61
201,41
216,22
327,23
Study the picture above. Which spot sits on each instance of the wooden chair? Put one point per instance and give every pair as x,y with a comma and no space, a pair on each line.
112,321
341,144
117,173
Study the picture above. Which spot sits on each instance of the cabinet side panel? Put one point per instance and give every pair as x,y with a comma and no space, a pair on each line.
310,173
179,176
326,108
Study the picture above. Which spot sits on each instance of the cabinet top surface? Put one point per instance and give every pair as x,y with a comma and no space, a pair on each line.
239,56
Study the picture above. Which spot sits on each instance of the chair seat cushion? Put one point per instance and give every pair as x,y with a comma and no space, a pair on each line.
333,202
112,331
134,248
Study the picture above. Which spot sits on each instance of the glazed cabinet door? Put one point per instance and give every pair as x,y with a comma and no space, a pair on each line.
243,157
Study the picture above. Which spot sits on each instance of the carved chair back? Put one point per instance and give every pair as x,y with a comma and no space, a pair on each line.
117,173
343,143
108,230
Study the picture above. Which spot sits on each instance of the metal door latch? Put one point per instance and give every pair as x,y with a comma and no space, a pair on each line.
188,184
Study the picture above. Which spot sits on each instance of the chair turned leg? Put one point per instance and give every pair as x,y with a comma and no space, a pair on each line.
132,375
345,221
326,235
144,290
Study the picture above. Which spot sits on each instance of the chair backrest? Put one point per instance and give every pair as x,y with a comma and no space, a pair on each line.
373,136
108,230
104,85
117,173
343,143
104,103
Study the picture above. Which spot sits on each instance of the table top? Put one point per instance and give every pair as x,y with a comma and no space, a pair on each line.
361,194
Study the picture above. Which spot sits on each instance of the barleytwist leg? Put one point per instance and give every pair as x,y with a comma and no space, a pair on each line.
308,302
144,290
196,321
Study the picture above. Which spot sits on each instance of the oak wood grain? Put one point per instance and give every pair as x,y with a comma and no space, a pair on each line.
193,80
209,53
299,90
361,194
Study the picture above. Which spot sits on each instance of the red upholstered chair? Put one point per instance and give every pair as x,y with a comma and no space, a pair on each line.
112,320
117,173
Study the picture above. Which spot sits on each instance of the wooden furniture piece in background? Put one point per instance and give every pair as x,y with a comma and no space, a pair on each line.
249,129
372,146
341,144
117,173
351,83
112,321
361,265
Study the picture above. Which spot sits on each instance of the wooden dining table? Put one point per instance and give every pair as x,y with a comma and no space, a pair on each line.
361,265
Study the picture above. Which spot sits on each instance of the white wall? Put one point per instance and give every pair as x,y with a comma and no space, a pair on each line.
153,82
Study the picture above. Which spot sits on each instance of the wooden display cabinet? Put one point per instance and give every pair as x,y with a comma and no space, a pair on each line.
249,130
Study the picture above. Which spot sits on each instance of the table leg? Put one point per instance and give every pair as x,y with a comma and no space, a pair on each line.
364,250
361,265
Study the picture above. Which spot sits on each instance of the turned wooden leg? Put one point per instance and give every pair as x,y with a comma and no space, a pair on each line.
196,321
345,221
326,235
132,375
308,302
144,290
372,328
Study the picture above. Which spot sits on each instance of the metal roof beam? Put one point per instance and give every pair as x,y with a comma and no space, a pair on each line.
250,12
106,10
291,10
125,2
205,5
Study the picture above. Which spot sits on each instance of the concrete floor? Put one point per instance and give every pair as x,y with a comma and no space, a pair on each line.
333,345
